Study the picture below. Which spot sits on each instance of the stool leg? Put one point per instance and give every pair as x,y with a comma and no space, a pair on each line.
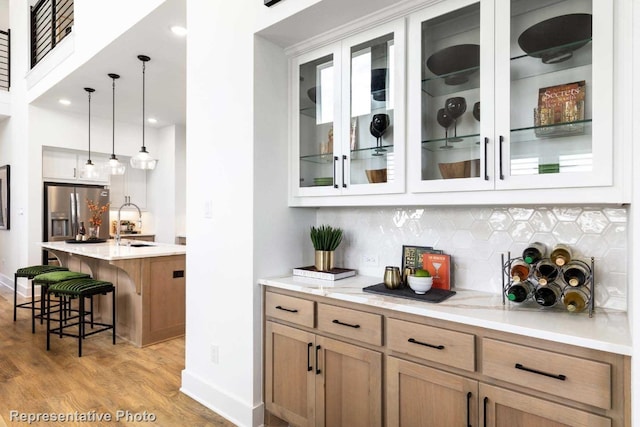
91,308
15,295
33,308
48,319
81,326
113,314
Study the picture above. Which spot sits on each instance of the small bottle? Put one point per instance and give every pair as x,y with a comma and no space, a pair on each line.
520,291
519,271
548,295
534,252
560,255
575,299
575,273
546,272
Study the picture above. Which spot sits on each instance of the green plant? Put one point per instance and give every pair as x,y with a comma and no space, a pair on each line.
326,238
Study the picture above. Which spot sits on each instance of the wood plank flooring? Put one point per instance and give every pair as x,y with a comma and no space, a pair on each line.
106,379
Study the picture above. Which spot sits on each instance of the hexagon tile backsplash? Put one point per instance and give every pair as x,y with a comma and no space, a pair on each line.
475,237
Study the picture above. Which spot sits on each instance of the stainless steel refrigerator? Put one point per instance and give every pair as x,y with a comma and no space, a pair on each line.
65,207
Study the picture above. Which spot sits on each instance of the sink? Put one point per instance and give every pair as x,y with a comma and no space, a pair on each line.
138,245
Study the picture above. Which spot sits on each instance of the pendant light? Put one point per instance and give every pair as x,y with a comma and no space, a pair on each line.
143,159
113,165
89,170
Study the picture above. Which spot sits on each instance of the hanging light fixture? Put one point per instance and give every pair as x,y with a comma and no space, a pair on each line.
143,159
89,170
113,165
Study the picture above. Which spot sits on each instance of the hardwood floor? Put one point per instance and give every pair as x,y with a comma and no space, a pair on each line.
105,380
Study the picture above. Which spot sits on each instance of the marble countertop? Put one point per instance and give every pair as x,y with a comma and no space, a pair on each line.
607,330
109,251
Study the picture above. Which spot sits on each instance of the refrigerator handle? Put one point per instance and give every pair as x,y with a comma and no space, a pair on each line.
74,213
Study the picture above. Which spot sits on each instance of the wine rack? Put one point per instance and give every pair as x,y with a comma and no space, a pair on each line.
507,262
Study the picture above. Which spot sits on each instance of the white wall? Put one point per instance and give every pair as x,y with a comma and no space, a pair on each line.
181,180
4,15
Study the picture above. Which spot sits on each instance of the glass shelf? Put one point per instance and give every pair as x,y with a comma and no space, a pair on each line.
318,158
534,133
308,111
358,154
526,65
436,86
468,141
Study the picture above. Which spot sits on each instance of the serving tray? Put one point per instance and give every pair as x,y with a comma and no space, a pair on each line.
433,295
86,241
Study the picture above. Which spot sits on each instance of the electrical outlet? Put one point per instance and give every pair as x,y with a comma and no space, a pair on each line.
369,260
208,209
215,354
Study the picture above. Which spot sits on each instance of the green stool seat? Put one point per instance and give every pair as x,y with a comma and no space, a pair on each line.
29,272
46,279
80,288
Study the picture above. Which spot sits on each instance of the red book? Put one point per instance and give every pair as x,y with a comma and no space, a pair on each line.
439,265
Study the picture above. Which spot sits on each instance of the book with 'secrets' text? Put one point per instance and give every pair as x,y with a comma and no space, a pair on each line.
333,274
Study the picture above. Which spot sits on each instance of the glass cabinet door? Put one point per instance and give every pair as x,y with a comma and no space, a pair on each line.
554,67
453,153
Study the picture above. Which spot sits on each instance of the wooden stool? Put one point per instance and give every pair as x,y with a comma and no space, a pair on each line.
44,280
29,273
80,288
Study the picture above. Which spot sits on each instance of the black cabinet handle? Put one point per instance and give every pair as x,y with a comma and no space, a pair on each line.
484,411
414,341
501,142
337,322
546,374
279,307
335,159
309,367
344,158
486,171
318,371
469,409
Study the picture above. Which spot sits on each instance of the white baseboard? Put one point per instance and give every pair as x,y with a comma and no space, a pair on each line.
225,405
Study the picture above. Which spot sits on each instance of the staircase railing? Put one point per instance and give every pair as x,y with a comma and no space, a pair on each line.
51,21
5,60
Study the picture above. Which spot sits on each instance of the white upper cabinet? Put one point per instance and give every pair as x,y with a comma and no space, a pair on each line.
541,75
60,165
348,124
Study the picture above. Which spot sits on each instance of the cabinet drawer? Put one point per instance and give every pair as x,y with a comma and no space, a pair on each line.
439,345
290,309
361,326
582,380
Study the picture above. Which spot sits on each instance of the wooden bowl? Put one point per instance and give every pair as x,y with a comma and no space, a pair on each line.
376,175
459,169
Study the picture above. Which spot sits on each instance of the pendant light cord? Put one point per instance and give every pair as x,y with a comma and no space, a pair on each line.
89,92
113,114
143,79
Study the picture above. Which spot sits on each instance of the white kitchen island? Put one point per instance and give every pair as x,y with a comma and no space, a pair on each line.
149,280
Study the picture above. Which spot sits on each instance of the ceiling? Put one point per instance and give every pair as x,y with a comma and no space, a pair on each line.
165,87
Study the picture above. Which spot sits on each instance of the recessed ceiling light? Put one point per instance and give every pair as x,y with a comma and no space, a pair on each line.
152,120
64,101
179,31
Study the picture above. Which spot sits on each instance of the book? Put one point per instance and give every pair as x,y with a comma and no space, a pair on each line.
439,265
560,110
334,274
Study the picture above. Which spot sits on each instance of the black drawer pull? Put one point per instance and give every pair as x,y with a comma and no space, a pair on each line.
279,307
437,347
546,374
337,322
469,409
485,402
309,367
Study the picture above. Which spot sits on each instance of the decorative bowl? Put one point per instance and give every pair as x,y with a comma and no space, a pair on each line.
456,63
420,285
461,169
379,84
376,175
554,40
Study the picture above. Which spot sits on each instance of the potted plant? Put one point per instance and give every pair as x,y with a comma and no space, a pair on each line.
325,240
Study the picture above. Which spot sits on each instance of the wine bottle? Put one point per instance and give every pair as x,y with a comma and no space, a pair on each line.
520,291
519,271
575,273
82,230
575,299
560,254
534,252
546,272
548,295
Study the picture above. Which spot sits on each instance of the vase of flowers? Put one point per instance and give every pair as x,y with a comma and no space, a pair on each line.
95,220
325,240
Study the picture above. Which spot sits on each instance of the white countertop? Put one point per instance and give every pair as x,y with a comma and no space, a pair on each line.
109,251
607,330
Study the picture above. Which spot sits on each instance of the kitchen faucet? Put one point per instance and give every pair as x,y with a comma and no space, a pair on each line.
127,202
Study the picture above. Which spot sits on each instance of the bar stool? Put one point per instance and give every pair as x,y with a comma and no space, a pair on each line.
80,288
44,280
29,273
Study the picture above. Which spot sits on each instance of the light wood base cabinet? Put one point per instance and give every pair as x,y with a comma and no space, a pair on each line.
311,380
